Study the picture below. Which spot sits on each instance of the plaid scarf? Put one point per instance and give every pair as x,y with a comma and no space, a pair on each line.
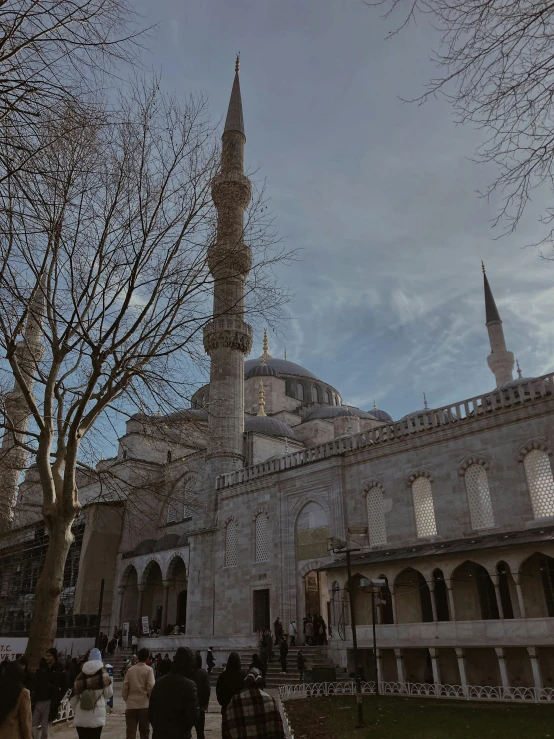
252,714
98,681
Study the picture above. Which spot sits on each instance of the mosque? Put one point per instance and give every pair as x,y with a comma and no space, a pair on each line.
223,513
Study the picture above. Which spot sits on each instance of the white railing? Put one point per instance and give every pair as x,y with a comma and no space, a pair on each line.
424,421
421,690
65,712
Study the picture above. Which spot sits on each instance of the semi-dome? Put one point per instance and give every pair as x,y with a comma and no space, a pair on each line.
260,370
145,547
169,541
338,411
281,366
268,426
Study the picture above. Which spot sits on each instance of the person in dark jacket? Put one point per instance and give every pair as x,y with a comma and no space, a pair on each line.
202,680
49,689
283,651
173,709
230,682
166,665
210,661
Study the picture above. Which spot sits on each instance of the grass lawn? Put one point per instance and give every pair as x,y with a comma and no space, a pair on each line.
412,718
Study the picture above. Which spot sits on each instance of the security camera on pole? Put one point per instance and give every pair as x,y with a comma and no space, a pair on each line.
338,546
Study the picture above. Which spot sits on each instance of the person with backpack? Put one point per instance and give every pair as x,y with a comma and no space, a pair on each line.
92,688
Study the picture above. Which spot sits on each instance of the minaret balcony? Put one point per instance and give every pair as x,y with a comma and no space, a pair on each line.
228,332
231,188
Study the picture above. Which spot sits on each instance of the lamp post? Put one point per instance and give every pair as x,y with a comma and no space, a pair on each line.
341,547
369,586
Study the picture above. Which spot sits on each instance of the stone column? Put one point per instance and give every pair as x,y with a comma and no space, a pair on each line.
165,606
433,602
393,601
502,665
461,655
515,575
379,666
498,598
535,666
400,665
139,608
121,596
434,653
451,607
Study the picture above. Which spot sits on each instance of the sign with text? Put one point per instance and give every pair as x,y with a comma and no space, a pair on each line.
145,626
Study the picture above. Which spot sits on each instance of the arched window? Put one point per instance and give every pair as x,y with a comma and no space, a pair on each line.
231,544
300,391
326,398
180,505
540,482
262,546
315,394
173,511
376,516
424,510
478,497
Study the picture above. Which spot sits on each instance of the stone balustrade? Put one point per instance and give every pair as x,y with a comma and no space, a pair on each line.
428,421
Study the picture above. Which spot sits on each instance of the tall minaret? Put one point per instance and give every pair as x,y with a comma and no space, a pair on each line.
13,459
500,360
227,339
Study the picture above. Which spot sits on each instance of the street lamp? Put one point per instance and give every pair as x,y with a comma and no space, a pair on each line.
369,586
341,547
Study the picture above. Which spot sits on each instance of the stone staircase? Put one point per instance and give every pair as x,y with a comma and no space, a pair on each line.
117,661
315,657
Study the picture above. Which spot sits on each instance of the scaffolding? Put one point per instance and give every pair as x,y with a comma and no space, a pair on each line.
22,558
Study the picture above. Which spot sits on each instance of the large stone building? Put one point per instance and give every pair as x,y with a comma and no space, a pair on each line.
218,517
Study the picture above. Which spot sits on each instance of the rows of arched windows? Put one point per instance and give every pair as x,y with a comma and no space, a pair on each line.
261,539
540,483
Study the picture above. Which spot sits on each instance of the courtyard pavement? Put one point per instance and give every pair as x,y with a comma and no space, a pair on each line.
115,721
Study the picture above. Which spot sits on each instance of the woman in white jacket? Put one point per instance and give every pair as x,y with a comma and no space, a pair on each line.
93,687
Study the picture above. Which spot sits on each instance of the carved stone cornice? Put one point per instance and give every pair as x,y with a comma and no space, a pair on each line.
231,188
228,332
225,261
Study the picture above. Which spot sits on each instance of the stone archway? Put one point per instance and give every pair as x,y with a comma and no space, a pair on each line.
176,594
129,596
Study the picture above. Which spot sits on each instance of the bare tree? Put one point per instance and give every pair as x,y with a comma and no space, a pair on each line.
497,70
104,255
50,49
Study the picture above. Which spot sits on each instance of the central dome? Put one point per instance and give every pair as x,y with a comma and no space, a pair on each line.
282,366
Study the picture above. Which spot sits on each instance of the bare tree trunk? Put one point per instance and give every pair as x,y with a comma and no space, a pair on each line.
49,590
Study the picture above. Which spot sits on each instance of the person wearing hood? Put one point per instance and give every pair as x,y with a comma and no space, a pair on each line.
252,712
49,689
230,682
173,709
92,688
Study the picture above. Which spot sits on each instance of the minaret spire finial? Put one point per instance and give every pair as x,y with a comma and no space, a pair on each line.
237,63
425,404
261,402
519,372
266,354
483,267
374,405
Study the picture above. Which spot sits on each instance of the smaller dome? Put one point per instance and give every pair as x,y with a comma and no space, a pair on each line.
169,541
140,416
268,426
261,370
338,411
145,547
380,415
518,381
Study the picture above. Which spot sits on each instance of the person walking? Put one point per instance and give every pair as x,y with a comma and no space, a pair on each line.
202,681
137,688
15,704
166,665
210,661
92,688
309,633
252,713
49,689
293,631
283,652
173,709
278,629
134,643
230,682
301,664
264,656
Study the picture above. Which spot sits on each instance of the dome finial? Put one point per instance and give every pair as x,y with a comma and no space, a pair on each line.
425,404
237,63
285,354
261,402
519,372
266,354
374,405
483,267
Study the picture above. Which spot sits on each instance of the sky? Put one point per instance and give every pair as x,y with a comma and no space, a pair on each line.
380,197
